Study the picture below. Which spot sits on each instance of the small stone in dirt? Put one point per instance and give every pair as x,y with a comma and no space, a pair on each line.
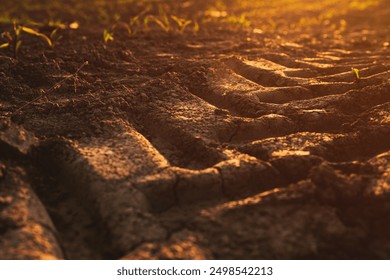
15,139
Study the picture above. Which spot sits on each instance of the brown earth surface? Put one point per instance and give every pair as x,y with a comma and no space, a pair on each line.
225,144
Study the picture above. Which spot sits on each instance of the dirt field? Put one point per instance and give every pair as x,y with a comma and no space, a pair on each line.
251,138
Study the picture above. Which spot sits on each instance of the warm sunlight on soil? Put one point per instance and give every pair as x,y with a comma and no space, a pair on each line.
189,129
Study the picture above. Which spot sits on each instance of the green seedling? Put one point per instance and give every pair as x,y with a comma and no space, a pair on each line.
107,36
196,27
355,71
239,21
134,25
33,32
177,24
55,37
181,23
163,22
57,24
14,40
135,22
145,23
4,45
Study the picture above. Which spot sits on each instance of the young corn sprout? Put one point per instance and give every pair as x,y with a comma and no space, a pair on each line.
355,71
107,36
55,37
135,22
14,41
31,31
181,23
163,22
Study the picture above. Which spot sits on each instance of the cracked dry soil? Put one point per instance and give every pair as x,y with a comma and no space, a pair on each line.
223,145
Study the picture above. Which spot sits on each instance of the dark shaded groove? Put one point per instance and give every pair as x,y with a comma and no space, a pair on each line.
80,235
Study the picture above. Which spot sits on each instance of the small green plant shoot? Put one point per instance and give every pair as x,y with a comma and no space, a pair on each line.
107,36
33,32
182,23
355,71
55,37
135,22
14,41
163,22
